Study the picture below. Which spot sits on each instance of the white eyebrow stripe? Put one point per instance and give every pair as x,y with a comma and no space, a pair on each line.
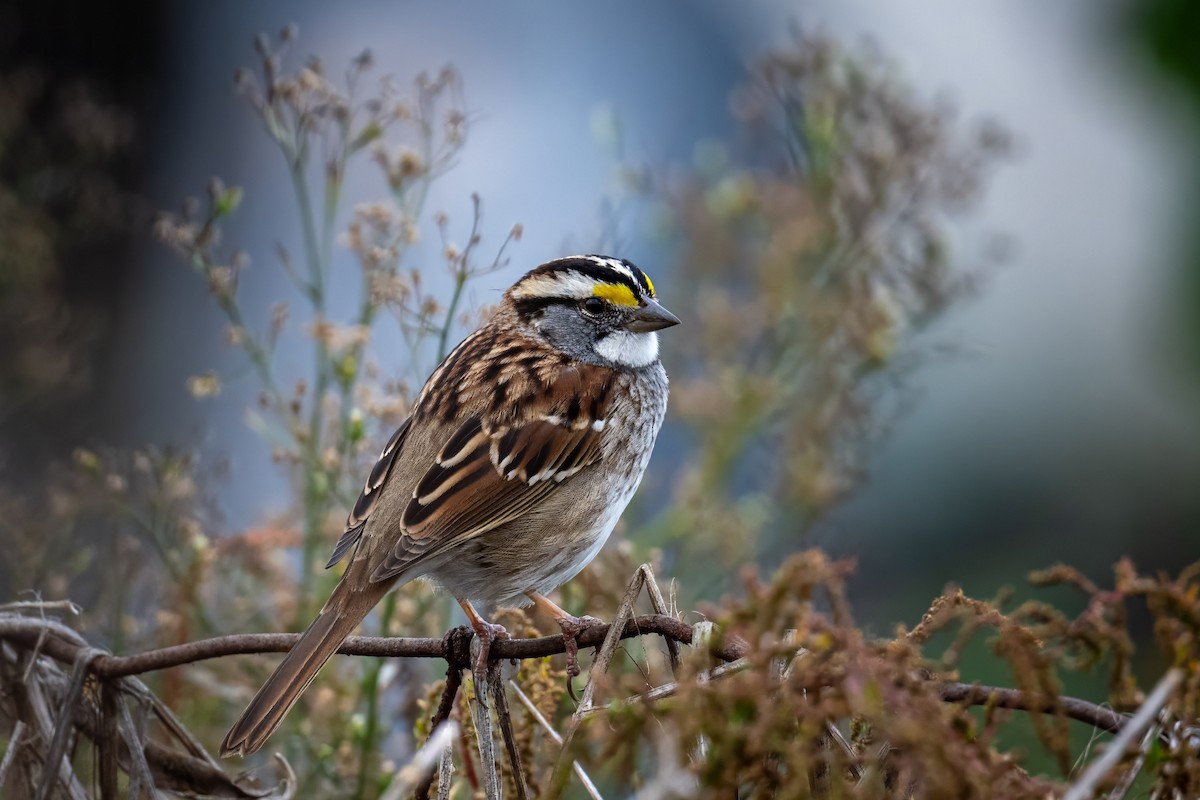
557,284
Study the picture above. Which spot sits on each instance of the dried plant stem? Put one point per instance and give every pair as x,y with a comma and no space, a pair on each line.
1086,785
703,634
171,767
504,719
63,727
485,740
446,770
660,607
600,664
580,772
141,779
1131,774
422,763
837,738
460,282
260,359
110,766
445,708
10,755
41,720
669,689
42,605
369,690
312,248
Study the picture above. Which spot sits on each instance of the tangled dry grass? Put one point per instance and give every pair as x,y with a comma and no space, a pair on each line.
803,704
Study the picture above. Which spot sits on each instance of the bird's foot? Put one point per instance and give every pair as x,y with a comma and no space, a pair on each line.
571,628
487,632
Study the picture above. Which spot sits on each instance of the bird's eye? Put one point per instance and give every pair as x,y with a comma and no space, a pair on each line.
593,305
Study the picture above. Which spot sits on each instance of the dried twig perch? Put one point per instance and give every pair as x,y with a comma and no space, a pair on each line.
25,631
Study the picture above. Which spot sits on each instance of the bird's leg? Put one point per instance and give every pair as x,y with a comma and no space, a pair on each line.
571,626
487,632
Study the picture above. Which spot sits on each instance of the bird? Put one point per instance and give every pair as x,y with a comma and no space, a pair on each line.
519,455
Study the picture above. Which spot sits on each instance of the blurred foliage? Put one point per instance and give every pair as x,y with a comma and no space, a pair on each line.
1168,30
325,430
61,151
812,251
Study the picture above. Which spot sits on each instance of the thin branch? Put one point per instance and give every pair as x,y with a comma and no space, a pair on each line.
669,689
141,779
836,736
660,607
106,745
63,727
446,771
40,716
26,631
504,720
42,605
454,676
14,743
1099,717
703,633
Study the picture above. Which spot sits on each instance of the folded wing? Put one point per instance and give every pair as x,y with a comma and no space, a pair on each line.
487,475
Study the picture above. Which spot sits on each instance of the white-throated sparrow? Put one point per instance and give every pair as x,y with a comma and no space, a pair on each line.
521,452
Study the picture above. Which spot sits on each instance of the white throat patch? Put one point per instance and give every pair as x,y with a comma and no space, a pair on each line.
629,349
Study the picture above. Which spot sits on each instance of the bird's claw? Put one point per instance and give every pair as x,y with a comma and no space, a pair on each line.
487,632
571,628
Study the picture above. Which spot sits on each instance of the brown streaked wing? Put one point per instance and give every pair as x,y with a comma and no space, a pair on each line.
357,521
486,476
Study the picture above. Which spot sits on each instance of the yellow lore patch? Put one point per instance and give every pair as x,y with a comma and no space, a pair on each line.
616,293
649,283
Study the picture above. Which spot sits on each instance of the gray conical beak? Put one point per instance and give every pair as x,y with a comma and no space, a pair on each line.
651,317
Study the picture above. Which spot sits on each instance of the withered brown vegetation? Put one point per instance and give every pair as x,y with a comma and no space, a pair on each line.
810,707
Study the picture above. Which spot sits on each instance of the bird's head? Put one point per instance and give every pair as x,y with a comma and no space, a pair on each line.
596,309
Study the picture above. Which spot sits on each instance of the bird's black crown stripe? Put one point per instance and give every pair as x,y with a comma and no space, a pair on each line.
642,280
595,268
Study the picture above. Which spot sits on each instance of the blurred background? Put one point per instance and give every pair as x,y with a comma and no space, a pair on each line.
937,265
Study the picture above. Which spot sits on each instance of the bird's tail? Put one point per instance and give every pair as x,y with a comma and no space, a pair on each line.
343,612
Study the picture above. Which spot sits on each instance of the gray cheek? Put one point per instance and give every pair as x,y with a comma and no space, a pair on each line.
567,331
